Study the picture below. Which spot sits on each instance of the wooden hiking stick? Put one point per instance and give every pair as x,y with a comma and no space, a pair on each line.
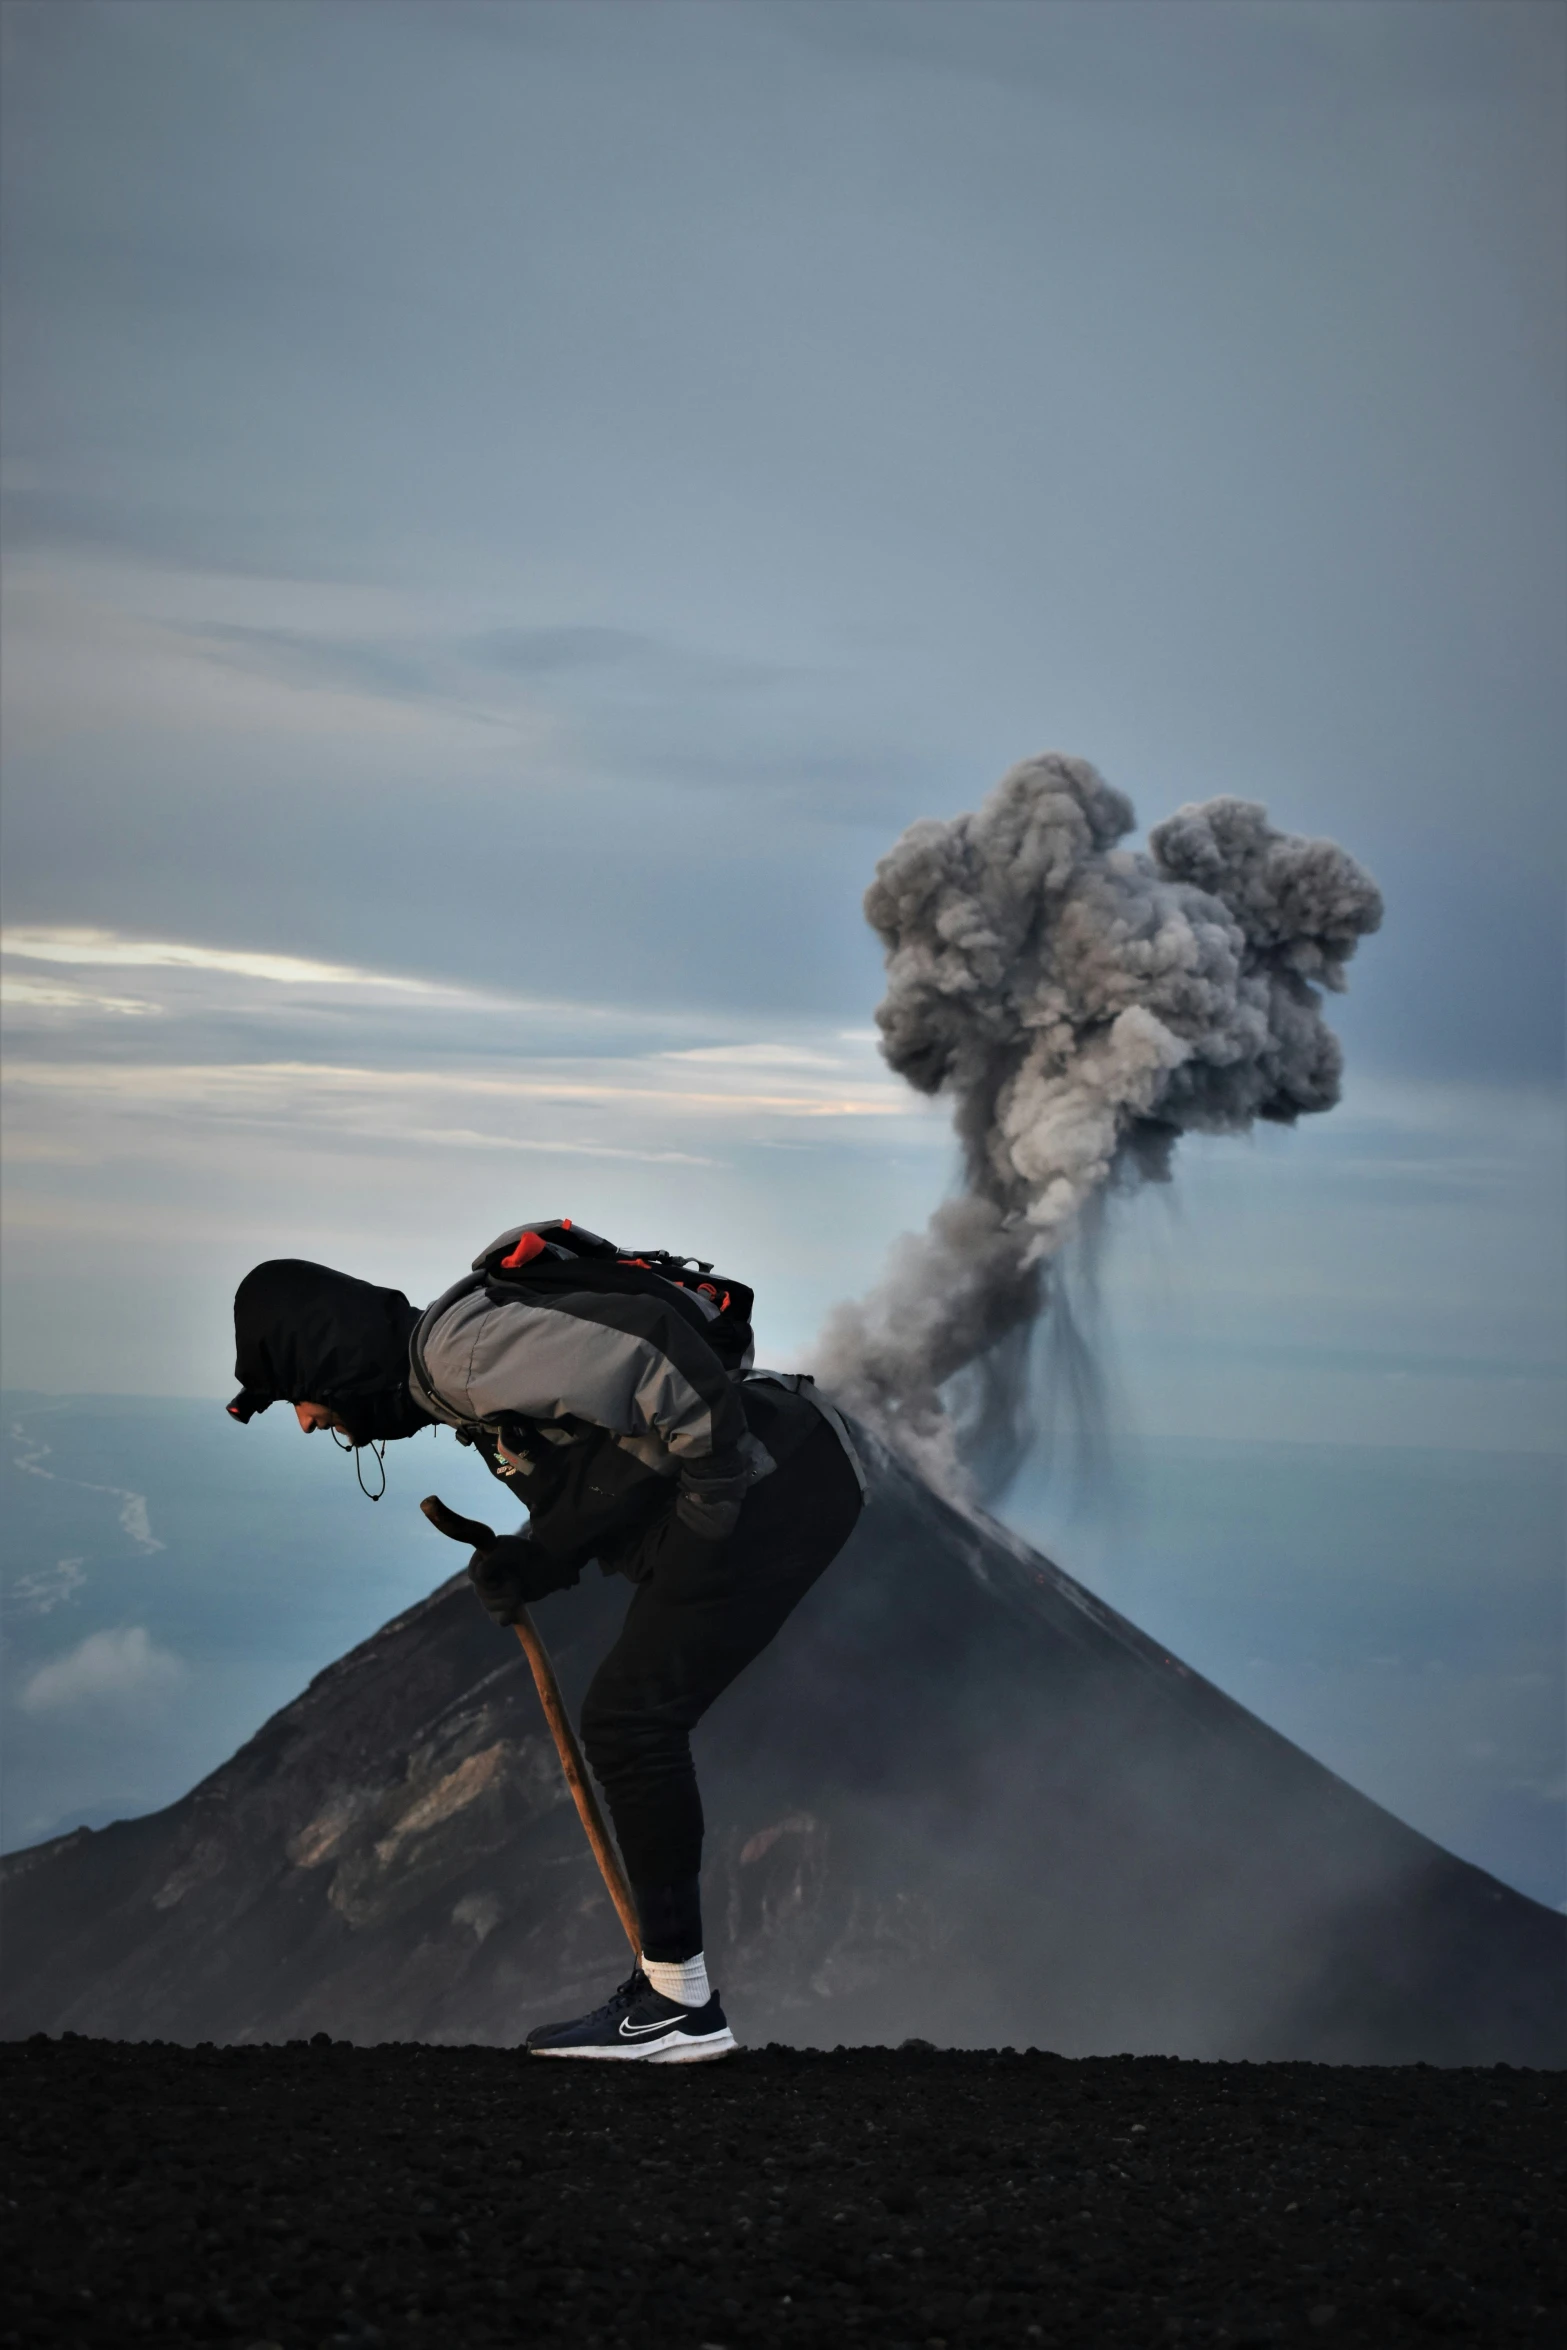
481,1537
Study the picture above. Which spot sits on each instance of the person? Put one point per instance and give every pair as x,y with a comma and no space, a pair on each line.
611,1400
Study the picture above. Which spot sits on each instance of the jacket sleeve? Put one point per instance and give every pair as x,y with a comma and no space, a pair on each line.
626,1363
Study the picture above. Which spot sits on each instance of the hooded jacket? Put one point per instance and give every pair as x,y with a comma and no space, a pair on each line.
306,1334
605,1409
608,1414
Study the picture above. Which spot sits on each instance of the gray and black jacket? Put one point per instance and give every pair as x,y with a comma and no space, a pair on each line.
601,1404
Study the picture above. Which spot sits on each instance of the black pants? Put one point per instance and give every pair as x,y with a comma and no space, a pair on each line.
688,1633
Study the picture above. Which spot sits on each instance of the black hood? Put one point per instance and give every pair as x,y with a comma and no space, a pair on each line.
304,1334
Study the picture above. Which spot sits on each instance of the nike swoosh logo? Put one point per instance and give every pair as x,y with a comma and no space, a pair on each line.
631,2031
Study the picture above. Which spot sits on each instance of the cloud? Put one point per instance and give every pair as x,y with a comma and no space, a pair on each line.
123,1667
468,1138
547,652
270,1087
36,995
51,1587
107,947
190,963
261,545
85,660
758,1056
134,1521
650,666
302,659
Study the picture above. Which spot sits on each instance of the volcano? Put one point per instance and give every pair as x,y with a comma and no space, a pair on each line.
959,1800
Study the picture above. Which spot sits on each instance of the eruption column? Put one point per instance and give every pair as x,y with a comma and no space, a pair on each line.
1084,1005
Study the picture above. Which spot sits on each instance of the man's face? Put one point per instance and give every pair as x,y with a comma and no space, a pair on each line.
312,1416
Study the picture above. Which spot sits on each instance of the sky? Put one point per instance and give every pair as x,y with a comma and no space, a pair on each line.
509,510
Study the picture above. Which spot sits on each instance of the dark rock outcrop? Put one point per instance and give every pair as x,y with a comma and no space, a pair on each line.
957,1799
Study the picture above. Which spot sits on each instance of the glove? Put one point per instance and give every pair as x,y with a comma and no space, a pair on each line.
515,1571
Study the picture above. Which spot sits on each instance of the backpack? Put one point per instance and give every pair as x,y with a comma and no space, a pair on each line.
560,1254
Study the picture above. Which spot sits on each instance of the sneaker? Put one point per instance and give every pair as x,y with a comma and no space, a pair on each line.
640,2023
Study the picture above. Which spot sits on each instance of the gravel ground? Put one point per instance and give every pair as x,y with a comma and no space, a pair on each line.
321,2194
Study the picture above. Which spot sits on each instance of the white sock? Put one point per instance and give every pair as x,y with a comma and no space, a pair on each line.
682,1979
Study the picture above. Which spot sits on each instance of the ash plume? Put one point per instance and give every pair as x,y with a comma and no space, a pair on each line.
1083,1005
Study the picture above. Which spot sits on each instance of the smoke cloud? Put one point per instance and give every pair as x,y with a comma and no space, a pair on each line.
1084,1005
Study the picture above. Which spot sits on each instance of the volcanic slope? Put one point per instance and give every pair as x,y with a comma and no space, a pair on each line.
958,1799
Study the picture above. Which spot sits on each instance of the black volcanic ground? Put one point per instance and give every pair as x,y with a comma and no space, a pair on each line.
315,2195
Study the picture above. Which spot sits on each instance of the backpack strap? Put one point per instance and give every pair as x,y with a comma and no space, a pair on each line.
425,1391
